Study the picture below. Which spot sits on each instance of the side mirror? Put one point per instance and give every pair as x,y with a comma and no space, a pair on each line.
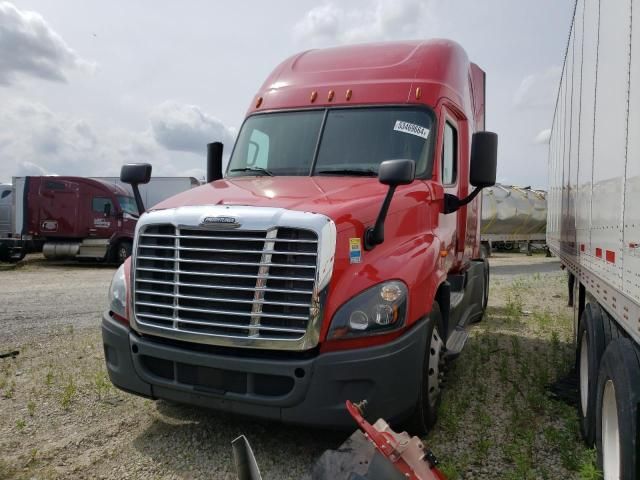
135,174
107,209
484,159
392,173
482,170
397,172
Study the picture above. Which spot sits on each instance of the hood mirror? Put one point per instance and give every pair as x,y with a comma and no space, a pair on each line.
392,173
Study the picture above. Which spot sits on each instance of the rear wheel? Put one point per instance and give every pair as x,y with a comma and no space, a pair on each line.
123,251
590,346
617,413
425,414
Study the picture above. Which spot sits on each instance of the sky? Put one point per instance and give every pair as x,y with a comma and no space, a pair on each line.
88,85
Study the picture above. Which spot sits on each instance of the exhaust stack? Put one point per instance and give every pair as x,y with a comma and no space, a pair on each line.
214,161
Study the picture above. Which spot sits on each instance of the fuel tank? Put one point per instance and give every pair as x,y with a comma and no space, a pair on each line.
510,210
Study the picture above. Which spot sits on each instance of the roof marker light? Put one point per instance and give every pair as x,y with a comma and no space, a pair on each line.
258,102
331,94
314,95
418,93
348,94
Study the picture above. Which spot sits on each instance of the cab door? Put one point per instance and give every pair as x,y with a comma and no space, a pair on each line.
102,217
448,167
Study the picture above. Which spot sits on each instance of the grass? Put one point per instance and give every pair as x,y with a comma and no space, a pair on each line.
68,393
496,402
102,383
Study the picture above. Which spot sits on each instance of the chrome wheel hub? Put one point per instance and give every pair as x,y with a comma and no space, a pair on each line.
434,372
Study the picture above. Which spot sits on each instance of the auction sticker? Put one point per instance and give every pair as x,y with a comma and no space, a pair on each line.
355,250
411,128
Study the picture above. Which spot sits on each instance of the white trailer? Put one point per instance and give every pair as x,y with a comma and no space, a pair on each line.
6,194
594,221
158,188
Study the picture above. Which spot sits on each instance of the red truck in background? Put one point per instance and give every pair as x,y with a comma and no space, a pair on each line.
339,256
76,217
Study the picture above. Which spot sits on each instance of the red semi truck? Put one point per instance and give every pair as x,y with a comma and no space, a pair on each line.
337,258
76,217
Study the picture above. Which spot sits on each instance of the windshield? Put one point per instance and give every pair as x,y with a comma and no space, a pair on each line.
351,141
128,204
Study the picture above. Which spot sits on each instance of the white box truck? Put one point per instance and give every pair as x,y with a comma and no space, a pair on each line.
594,222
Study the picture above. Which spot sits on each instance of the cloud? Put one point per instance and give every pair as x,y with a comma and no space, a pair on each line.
181,127
37,141
538,90
332,24
31,47
543,137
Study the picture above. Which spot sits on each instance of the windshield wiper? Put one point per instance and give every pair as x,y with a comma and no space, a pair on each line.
347,171
261,170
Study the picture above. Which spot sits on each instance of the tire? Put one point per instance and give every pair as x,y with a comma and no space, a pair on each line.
590,346
485,290
123,251
425,413
617,413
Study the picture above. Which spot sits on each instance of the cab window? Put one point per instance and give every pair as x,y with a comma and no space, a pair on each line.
98,204
449,155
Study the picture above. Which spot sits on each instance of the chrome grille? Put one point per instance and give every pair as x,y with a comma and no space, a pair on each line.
221,283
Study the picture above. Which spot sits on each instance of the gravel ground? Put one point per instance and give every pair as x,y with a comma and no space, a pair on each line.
61,418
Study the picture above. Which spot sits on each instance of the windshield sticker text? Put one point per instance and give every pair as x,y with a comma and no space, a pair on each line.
411,128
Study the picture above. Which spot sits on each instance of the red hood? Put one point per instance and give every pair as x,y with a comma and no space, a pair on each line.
343,199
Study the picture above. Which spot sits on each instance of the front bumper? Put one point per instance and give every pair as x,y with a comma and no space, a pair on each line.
308,391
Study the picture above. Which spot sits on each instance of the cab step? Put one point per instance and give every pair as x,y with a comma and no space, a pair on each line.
456,343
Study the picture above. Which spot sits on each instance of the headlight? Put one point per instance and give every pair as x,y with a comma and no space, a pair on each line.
378,309
118,294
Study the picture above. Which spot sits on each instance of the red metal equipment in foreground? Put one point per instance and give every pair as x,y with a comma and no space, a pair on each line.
376,453
408,455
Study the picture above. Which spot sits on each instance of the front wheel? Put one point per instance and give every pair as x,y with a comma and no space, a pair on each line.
425,413
123,251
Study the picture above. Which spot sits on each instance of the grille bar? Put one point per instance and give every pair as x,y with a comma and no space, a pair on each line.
223,287
251,285
231,300
218,262
272,252
233,275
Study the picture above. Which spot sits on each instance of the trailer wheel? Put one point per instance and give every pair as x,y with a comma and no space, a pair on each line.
589,349
425,414
123,251
617,416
